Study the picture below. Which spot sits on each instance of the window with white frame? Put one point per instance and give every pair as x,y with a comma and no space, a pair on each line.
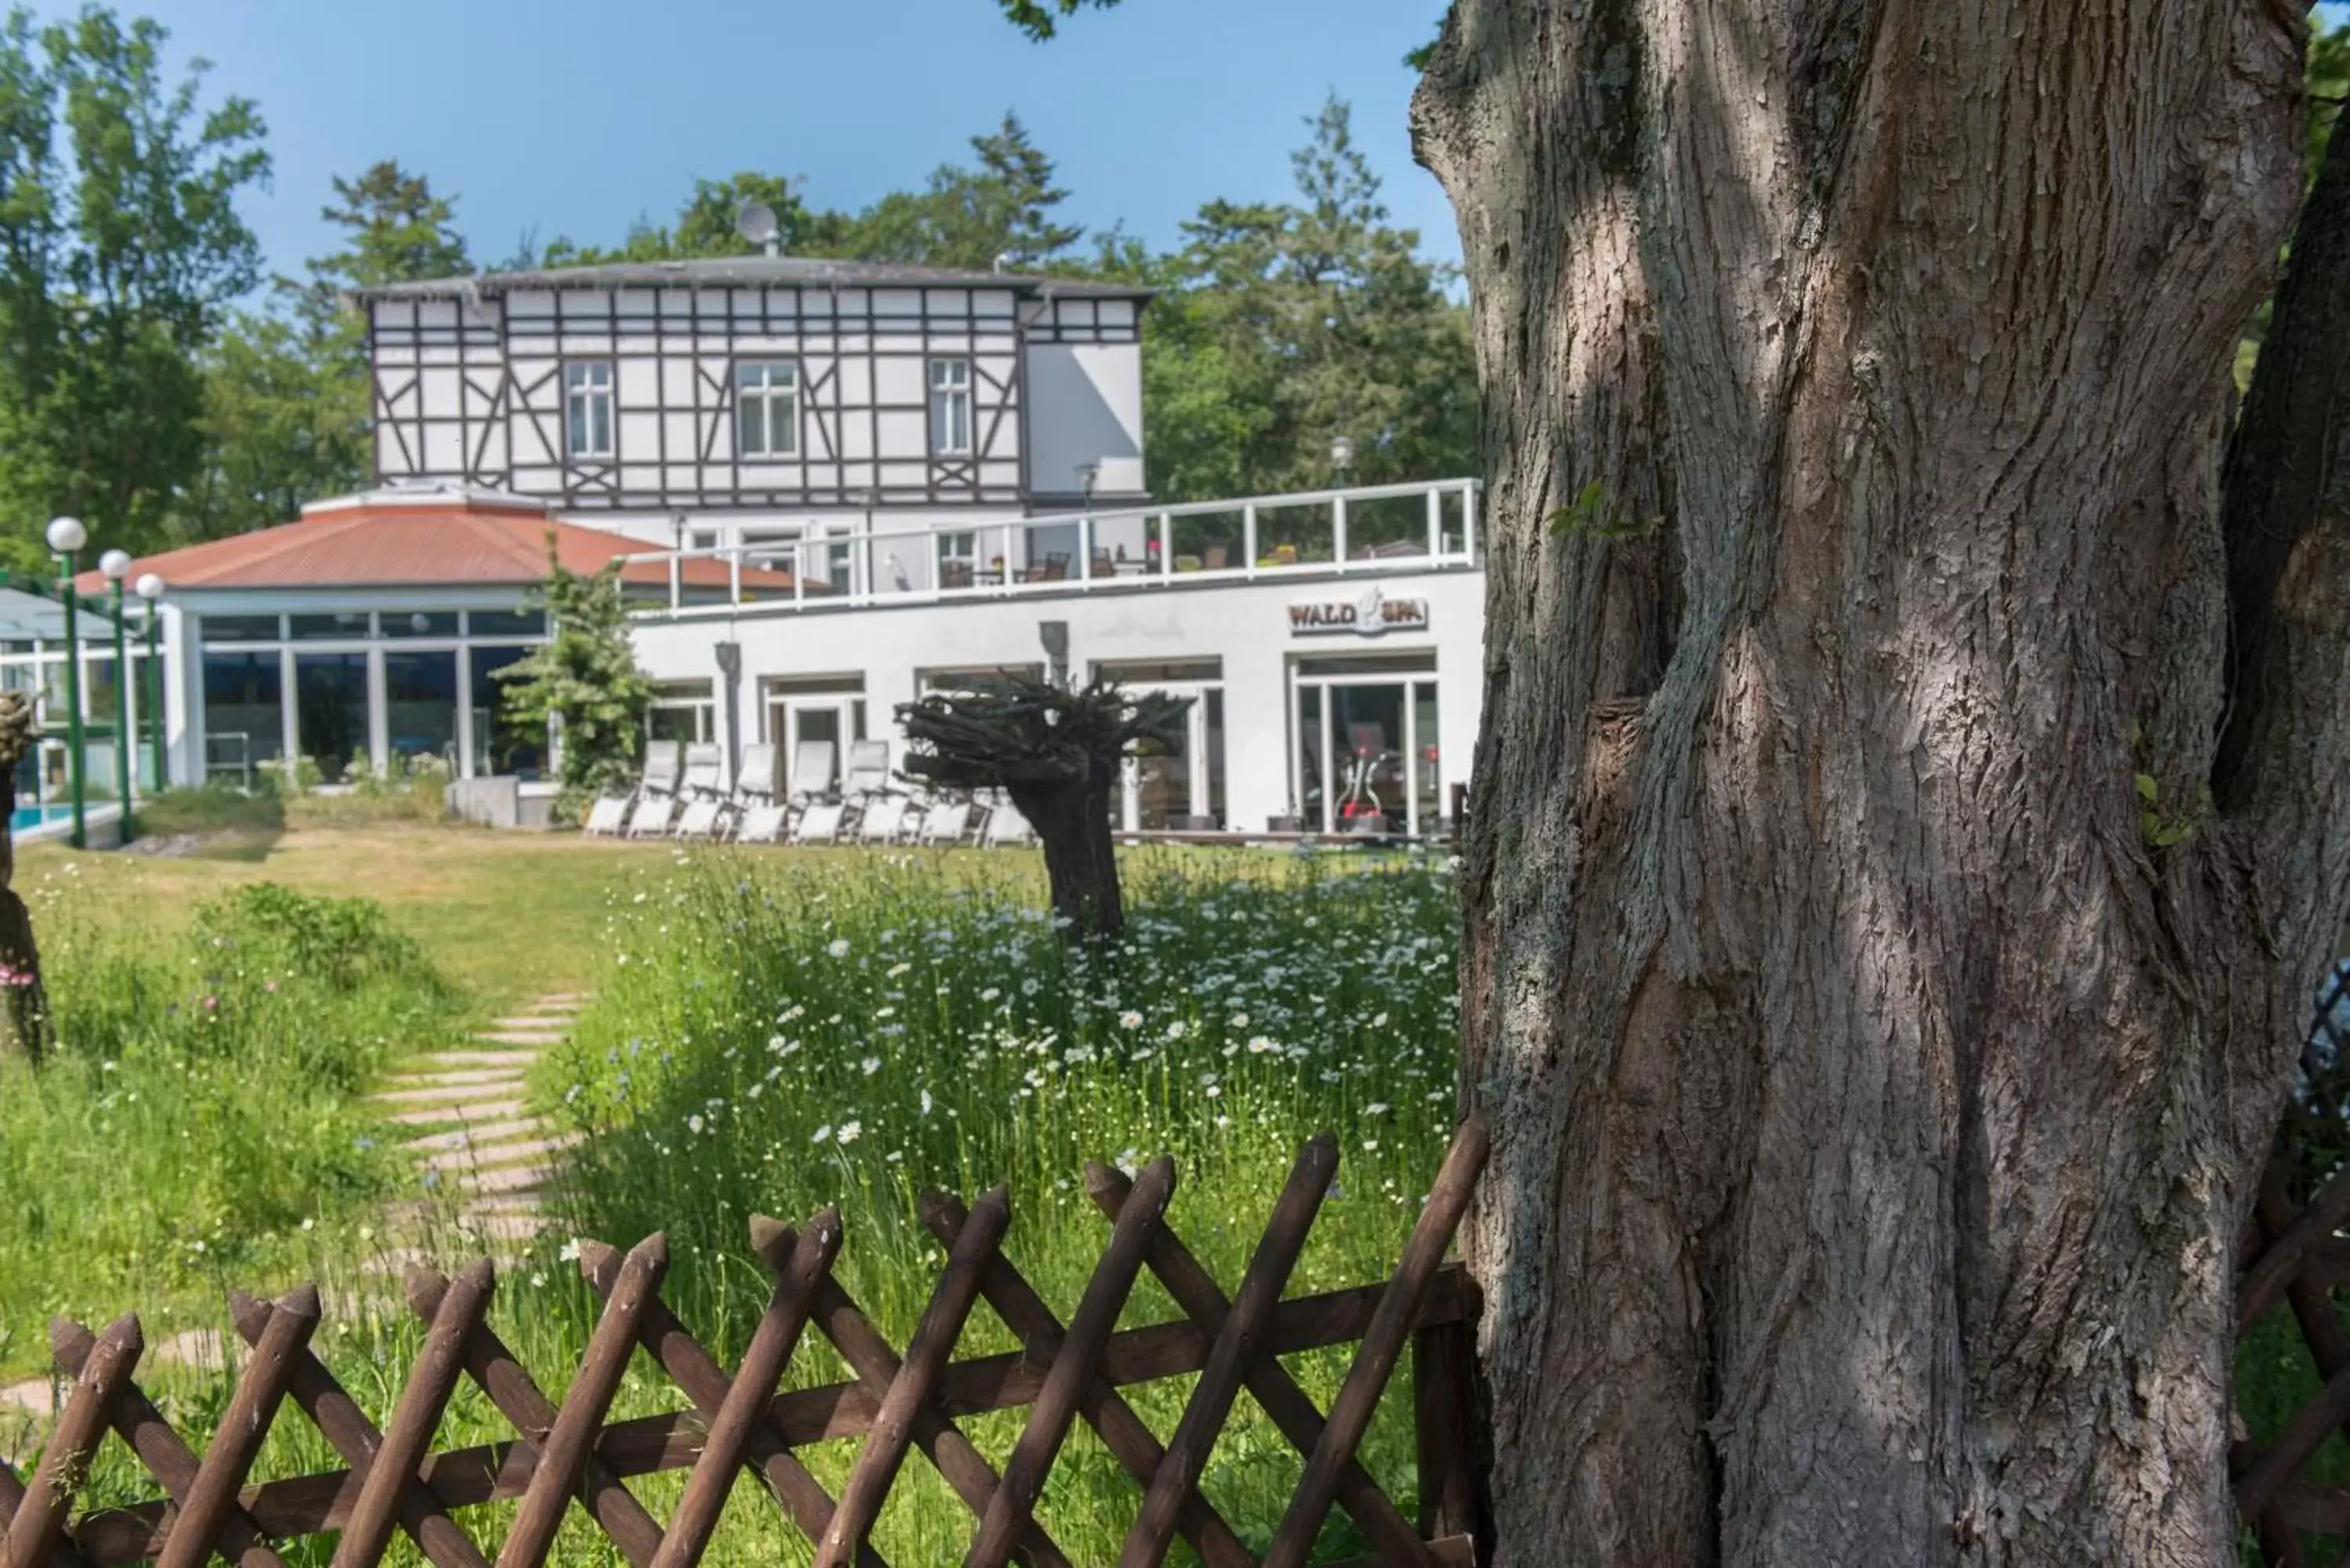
949,406
959,548
767,408
587,407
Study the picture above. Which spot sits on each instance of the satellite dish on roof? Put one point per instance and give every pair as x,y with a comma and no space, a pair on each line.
757,223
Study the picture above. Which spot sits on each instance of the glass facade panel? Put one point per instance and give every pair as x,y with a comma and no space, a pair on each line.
419,623
501,746
419,693
99,698
507,623
1427,777
330,711
342,626
244,710
1310,790
1366,734
239,629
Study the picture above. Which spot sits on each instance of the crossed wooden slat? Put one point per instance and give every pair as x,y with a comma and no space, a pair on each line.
568,1452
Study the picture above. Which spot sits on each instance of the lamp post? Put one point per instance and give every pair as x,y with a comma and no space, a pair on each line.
149,589
1342,457
115,566
67,535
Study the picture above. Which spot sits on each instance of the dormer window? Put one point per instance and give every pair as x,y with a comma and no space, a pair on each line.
767,408
588,409
949,406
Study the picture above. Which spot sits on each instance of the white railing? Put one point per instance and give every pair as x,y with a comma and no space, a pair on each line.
1362,530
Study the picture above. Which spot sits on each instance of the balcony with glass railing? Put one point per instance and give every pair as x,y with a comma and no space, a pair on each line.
1364,531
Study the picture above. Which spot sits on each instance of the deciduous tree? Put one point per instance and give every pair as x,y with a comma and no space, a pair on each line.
121,251
1910,809
585,681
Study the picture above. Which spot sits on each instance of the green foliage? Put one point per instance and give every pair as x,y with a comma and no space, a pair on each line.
1040,18
199,1107
968,218
1280,328
583,679
121,251
285,413
971,217
215,808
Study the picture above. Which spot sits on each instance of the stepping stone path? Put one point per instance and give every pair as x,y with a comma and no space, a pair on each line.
487,1148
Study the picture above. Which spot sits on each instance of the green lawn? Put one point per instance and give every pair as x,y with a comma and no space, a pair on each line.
504,915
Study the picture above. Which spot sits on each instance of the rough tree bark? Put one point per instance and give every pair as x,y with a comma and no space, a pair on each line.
1072,819
1879,1078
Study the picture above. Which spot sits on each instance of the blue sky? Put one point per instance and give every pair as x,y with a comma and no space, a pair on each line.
577,117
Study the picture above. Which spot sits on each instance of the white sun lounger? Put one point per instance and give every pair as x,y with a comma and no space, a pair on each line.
946,824
1006,825
651,817
763,825
664,767
704,761
817,824
811,777
703,817
608,815
884,820
868,769
757,783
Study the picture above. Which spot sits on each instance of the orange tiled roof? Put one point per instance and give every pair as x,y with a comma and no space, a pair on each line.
433,540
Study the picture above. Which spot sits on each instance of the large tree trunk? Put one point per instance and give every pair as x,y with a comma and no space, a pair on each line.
1878,1082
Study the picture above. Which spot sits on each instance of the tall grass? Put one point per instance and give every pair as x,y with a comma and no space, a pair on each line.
776,1037
195,1123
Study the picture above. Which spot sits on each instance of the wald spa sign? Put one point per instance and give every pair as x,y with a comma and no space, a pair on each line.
1370,616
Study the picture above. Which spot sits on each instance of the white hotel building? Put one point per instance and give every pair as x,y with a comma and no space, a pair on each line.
836,484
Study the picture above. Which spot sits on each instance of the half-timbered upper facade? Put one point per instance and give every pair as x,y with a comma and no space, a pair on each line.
761,385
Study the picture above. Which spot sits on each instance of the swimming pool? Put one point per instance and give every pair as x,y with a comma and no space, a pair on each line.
27,816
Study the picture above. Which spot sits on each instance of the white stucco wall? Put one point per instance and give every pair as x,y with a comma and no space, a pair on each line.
1086,407
1247,626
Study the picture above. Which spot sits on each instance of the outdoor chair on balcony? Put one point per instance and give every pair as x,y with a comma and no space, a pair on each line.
1104,565
1055,569
820,823
954,575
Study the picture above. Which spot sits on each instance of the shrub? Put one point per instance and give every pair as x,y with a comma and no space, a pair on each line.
198,1110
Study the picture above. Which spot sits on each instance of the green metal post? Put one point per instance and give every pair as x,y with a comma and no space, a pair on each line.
124,739
155,696
80,838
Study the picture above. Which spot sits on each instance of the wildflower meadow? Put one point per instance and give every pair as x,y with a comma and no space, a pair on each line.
775,1036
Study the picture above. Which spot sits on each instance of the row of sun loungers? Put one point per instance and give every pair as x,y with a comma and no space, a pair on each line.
681,796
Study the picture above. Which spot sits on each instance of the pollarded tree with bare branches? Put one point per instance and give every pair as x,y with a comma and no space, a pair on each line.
1058,752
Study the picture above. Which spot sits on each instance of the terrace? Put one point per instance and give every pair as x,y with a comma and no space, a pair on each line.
1363,530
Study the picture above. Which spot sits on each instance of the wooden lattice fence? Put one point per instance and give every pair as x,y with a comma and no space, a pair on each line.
568,1453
